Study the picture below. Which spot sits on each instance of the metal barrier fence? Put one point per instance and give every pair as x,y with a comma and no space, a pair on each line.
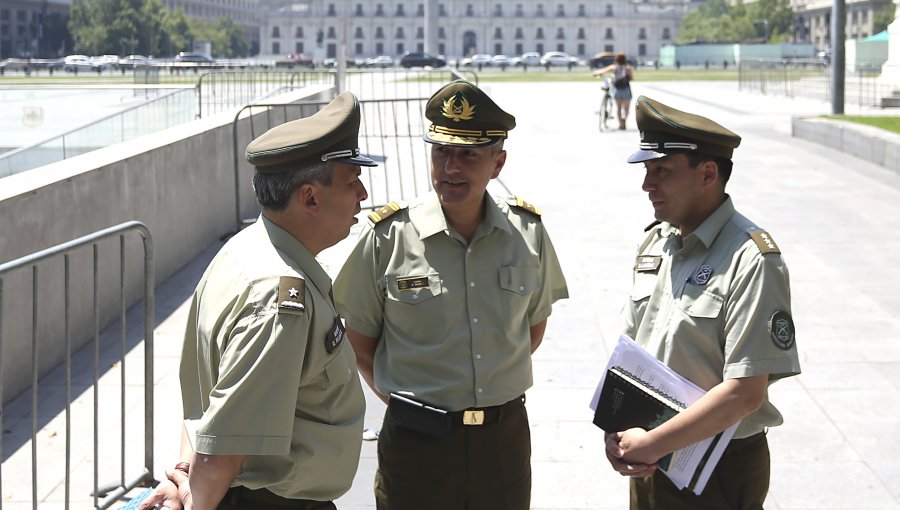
111,491
812,78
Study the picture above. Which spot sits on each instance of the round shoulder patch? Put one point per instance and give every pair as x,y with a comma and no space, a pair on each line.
781,327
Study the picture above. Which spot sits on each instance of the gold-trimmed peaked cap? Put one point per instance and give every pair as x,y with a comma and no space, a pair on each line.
329,134
665,130
461,114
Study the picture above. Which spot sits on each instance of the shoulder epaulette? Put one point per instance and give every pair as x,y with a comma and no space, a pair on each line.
521,204
384,212
648,227
764,241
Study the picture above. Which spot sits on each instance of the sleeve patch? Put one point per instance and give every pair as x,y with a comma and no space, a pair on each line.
384,212
765,242
521,204
291,295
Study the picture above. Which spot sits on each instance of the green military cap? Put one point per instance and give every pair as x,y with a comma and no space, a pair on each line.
461,114
329,134
665,130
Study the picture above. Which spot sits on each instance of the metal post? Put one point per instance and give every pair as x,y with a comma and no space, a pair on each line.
838,67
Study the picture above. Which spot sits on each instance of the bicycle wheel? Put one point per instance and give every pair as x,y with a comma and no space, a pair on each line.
605,112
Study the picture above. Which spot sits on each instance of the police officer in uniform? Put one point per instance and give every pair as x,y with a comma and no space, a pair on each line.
273,407
446,298
710,299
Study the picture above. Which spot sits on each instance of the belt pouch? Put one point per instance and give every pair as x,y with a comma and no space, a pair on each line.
418,416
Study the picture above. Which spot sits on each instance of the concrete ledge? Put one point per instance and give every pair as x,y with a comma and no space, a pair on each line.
865,142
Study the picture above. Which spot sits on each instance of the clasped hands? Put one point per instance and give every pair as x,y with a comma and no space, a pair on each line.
631,454
174,493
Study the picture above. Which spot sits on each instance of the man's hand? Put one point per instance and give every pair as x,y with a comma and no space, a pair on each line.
615,454
173,493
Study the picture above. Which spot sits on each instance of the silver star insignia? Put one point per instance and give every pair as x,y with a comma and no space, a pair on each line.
293,292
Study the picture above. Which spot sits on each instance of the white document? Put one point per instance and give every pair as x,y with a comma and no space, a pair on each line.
691,466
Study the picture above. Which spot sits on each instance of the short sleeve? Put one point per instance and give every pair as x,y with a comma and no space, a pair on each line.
358,288
760,290
252,403
553,282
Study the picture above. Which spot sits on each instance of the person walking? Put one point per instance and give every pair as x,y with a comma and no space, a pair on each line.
446,299
622,77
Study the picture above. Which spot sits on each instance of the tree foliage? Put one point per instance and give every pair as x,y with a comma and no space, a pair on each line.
883,17
146,27
718,22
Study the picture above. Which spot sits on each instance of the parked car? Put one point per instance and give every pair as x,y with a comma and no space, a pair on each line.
295,59
605,58
478,59
348,62
530,58
380,61
501,61
558,58
196,58
75,63
132,61
416,59
101,62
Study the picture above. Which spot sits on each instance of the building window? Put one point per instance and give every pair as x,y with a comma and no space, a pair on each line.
560,34
540,33
379,48
498,33
609,34
400,34
441,33
298,32
379,10
331,50
4,14
298,47
20,15
498,10
519,48
607,47
519,34
560,47
560,11
666,35
276,31
379,33
420,10
609,11
420,47
358,33
441,49
581,34
581,11
420,33
276,47
642,33
498,48
358,48
519,12
580,49
358,11
539,47
400,48
470,10
331,33
642,50
442,10
331,11
400,12
540,11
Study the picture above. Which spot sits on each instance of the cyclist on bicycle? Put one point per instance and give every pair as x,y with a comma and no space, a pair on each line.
621,80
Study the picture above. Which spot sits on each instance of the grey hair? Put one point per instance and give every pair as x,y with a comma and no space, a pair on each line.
273,191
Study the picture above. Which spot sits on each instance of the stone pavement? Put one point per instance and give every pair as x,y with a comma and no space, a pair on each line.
839,446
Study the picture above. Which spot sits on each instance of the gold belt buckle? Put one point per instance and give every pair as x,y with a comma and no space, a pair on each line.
473,417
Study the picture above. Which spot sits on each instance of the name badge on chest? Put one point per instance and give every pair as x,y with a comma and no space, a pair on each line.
647,263
335,335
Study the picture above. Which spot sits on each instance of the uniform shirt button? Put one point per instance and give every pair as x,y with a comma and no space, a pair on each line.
521,288
471,284
478,356
468,250
480,390
475,320
415,296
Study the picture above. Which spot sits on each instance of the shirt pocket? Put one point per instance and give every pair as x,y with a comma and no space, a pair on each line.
701,302
519,280
413,289
339,369
643,286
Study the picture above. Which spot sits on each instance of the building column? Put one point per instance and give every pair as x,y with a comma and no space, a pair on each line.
890,70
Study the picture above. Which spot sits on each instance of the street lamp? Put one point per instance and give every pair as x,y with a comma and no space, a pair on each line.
765,24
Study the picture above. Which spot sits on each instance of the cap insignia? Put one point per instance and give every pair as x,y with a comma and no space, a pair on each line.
765,242
291,295
457,108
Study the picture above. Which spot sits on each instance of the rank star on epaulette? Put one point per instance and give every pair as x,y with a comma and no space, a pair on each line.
384,212
765,242
521,204
291,295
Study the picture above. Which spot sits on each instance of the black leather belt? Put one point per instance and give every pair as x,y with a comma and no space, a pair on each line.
242,497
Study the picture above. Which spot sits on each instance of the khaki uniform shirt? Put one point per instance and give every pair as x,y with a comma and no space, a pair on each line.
451,318
703,306
257,377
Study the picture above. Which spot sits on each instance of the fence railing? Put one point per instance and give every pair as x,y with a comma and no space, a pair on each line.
812,78
110,492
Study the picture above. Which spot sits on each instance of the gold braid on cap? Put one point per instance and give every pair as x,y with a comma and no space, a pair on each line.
464,111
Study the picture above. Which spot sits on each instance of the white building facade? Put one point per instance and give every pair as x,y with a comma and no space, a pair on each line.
464,27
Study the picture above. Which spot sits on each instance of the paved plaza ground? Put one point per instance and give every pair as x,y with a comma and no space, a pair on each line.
835,218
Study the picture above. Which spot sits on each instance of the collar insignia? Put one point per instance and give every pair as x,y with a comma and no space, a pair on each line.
457,108
703,274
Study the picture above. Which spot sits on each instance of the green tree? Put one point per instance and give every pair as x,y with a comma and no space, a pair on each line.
883,17
177,34
116,26
226,37
717,22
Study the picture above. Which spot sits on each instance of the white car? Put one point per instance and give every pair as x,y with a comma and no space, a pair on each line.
478,59
74,63
558,58
531,58
501,61
380,61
